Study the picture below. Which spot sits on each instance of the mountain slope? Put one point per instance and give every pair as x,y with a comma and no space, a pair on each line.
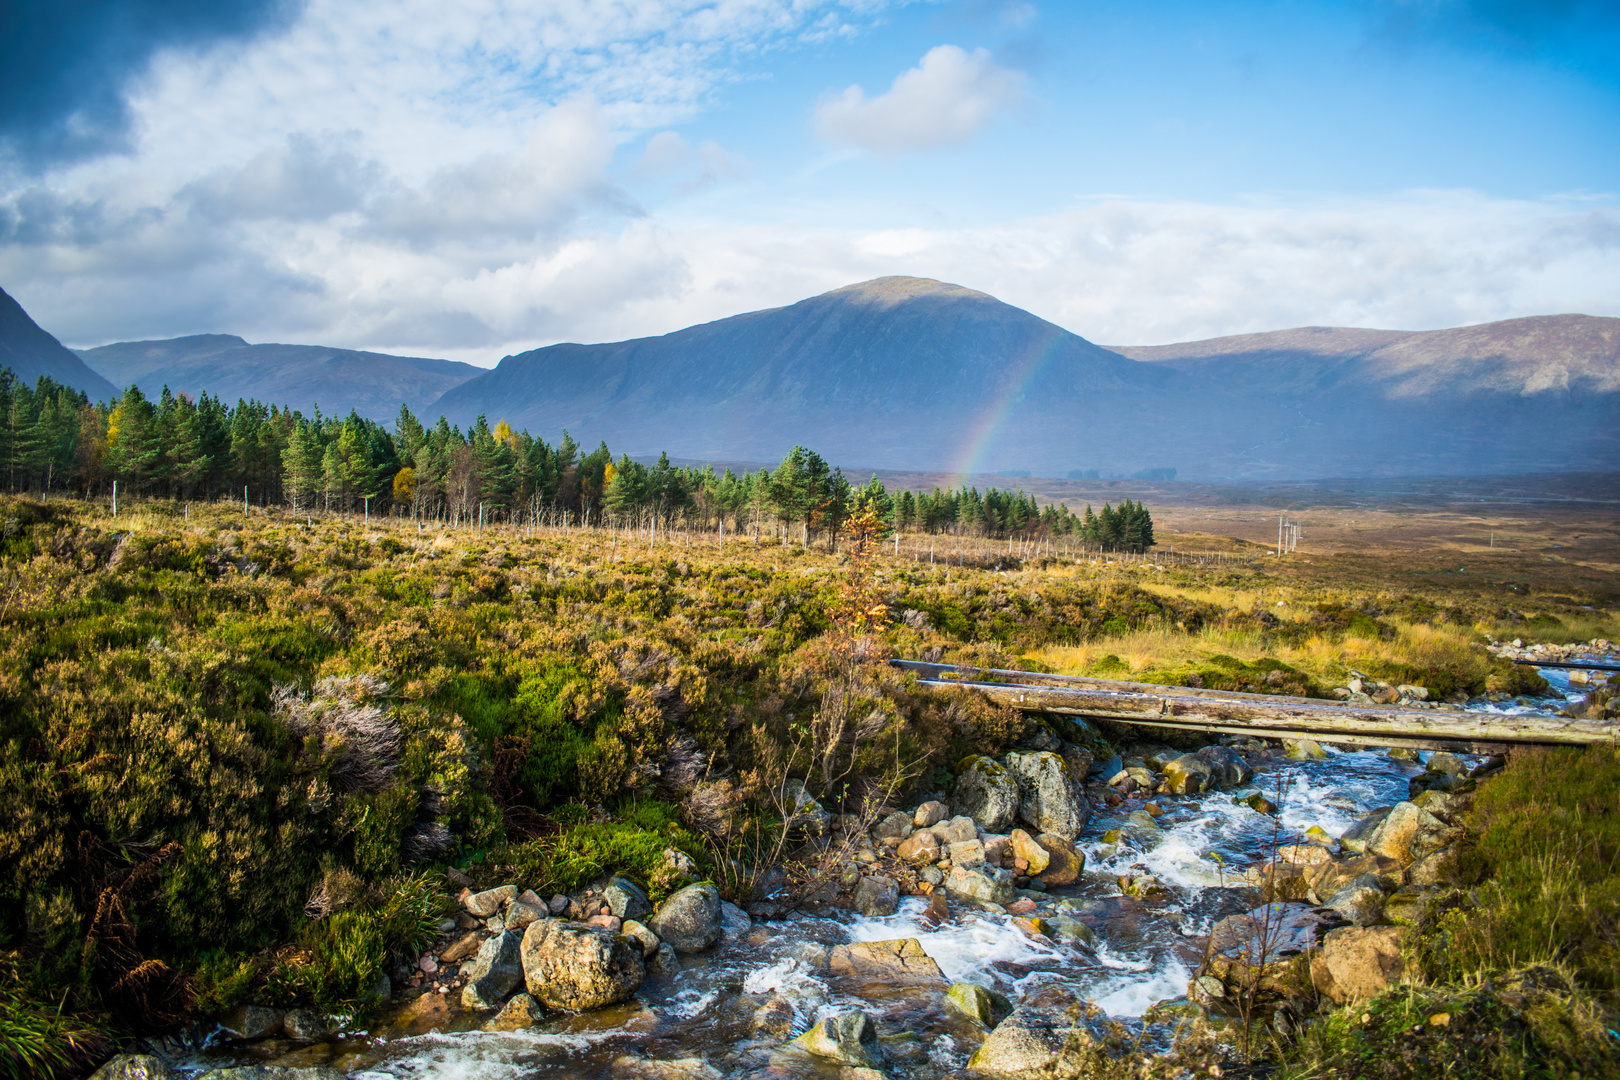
897,372
907,373
301,376
30,352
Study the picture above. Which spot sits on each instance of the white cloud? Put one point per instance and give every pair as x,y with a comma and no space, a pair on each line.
946,99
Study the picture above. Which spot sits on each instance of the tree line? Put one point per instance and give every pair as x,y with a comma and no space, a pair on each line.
54,439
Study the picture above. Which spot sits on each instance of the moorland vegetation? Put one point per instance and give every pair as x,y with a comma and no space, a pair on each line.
242,746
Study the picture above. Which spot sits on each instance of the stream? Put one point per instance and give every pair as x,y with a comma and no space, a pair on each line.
1145,950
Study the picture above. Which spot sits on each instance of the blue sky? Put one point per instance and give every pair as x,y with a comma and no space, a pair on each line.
475,179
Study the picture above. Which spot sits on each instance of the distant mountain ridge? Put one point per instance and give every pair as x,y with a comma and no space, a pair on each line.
905,373
914,374
299,376
30,351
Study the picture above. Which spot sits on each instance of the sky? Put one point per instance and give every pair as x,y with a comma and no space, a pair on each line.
475,179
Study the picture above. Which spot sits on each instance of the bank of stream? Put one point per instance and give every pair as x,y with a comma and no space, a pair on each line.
1160,872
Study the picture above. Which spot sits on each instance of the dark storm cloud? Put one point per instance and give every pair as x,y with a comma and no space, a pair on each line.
64,65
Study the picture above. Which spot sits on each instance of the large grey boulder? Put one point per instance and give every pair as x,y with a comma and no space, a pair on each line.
987,793
847,1038
1050,797
494,972
1040,1032
689,920
574,967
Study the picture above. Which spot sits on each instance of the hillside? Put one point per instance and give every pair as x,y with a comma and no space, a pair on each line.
30,352
302,376
897,372
907,373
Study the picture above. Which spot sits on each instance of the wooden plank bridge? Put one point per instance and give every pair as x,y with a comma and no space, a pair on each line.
1265,715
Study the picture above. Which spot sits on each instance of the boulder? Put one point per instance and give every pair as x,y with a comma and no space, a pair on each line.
959,829
919,849
1039,1032
463,947
1443,782
1443,762
986,793
877,896
305,1025
773,1020
1303,749
1267,950
997,848
1361,901
624,898
984,885
1227,767
1436,868
897,826
867,965
930,813
631,1067
807,817
518,1014
642,936
976,1003
1050,798
1354,839
689,920
1329,877
734,921
270,1072
1035,857
1065,862
495,972
846,1038
1448,806
1407,834
245,1022
967,853
490,901
520,915
1189,774
678,863
135,1067
1357,962
572,967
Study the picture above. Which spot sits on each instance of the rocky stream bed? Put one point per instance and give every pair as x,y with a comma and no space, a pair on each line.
1049,898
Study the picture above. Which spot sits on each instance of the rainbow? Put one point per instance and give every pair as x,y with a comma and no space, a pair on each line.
989,423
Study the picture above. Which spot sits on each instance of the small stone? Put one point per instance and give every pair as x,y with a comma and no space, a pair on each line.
957,830
1403,753
1065,862
930,813
1450,764
461,948
305,1025
427,964
986,886
1259,802
610,923
1189,774
679,862
774,1019
689,920
490,901
1031,927
897,826
625,899
495,972
248,1022
1035,857
1361,901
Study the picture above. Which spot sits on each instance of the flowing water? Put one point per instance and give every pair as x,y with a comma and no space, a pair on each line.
1144,950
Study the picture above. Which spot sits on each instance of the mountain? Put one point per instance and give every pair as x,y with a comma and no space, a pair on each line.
908,373
1520,395
897,372
31,352
301,376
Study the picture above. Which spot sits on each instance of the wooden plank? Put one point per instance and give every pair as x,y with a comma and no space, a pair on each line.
1272,717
